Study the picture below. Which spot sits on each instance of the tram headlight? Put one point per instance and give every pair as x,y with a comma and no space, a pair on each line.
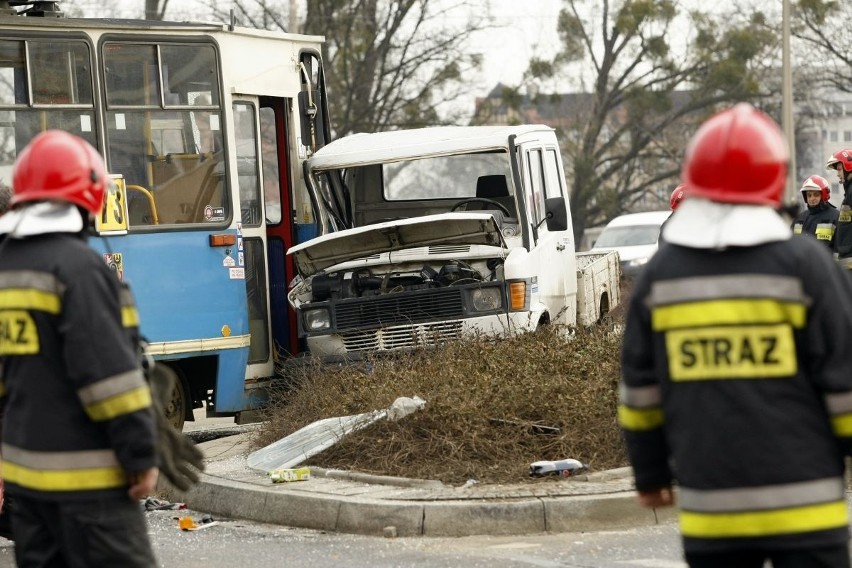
486,299
317,319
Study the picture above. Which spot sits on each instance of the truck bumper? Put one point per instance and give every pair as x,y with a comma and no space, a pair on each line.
356,344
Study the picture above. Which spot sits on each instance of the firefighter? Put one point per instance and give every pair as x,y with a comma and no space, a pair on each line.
841,163
677,196
735,379
819,218
78,434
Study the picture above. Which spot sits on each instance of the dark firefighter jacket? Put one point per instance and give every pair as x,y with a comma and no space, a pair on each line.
843,236
77,410
736,384
819,221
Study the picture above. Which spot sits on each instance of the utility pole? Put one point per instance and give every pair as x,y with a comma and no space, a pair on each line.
787,123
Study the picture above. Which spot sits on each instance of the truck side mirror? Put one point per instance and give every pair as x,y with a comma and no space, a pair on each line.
556,214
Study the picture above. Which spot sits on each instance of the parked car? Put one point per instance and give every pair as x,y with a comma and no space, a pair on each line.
635,237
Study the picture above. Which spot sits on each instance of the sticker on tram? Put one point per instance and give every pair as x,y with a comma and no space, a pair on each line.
214,213
113,217
115,261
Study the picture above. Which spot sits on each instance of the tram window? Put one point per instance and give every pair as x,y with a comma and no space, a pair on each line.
246,135
60,73
269,162
13,84
169,149
206,131
63,75
158,154
7,146
131,74
188,69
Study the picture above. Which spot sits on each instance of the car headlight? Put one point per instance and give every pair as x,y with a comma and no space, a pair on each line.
486,299
638,261
317,319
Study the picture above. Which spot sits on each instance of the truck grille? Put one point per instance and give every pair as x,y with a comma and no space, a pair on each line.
401,337
391,309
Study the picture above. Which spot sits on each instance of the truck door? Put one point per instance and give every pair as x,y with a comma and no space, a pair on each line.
554,250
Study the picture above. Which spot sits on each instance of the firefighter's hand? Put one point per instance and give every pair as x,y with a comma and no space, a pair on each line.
662,497
180,460
143,483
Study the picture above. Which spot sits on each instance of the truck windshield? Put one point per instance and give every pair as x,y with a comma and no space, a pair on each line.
362,195
441,177
628,236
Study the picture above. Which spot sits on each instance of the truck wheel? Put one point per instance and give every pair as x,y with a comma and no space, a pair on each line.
176,408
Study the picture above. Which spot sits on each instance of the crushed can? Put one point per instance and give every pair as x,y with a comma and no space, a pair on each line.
283,475
562,468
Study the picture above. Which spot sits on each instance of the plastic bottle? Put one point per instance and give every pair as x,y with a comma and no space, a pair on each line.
282,475
562,468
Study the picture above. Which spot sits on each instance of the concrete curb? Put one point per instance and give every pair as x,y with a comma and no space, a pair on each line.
378,517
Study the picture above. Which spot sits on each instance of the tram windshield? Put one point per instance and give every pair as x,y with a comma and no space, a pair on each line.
163,127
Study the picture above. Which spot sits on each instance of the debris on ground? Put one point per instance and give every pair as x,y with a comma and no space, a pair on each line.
282,475
188,524
296,448
526,426
562,468
154,504
403,406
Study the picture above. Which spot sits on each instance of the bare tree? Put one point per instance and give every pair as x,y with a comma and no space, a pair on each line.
389,63
641,99
822,26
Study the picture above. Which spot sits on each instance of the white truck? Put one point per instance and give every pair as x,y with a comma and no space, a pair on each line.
436,232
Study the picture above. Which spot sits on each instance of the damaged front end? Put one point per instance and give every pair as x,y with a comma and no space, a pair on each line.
401,284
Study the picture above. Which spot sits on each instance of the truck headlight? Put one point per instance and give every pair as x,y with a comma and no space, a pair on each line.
638,261
317,319
486,299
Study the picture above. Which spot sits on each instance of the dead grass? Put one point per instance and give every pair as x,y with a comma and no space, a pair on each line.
483,400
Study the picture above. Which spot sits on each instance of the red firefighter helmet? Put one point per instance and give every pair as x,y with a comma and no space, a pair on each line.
840,158
737,156
677,196
816,183
59,166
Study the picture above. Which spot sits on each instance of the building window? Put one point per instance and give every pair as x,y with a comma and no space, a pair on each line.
847,135
833,136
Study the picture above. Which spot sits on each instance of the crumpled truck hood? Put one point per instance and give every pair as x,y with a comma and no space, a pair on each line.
350,244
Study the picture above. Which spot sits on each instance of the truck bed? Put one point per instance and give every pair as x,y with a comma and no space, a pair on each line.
598,285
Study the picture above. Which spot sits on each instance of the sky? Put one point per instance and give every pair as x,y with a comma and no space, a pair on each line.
529,29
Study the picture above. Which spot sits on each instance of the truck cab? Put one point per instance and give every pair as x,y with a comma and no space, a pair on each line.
433,233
